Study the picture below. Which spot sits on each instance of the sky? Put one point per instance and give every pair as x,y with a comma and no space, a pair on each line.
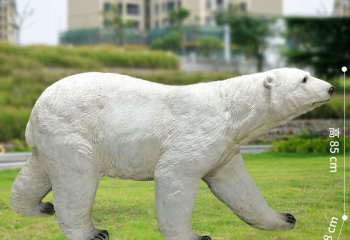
308,7
50,17
47,21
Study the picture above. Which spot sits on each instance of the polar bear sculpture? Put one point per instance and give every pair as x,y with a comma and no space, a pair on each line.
91,125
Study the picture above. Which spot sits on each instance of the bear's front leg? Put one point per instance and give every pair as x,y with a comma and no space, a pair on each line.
233,186
175,197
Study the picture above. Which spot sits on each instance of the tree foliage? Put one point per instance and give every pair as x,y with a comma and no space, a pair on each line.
208,46
177,17
319,43
248,33
171,42
112,19
174,40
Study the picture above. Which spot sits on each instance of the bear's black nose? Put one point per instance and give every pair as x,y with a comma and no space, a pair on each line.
331,90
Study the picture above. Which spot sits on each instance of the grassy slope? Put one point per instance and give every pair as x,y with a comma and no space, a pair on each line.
299,184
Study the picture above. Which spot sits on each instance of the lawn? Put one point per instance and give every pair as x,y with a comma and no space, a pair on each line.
296,183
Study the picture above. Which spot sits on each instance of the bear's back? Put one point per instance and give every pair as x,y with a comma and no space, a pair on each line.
75,100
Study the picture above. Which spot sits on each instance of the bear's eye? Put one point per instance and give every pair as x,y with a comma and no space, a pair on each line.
304,80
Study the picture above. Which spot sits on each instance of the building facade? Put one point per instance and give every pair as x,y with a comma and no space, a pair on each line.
342,8
8,31
84,16
150,14
149,19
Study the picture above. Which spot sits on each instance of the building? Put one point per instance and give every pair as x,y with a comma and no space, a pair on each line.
342,8
8,31
258,7
149,19
84,16
203,11
150,14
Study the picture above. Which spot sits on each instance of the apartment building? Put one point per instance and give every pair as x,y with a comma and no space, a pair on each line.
8,31
342,8
150,14
84,14
203,11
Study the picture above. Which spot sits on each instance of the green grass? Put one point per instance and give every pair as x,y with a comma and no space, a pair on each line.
297,183
86,58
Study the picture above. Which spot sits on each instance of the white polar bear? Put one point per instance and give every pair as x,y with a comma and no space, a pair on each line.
92,125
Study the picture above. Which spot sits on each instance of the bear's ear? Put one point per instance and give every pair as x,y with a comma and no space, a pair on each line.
269,81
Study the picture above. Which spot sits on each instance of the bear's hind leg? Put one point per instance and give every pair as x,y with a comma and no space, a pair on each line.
30,187
74,195
233,186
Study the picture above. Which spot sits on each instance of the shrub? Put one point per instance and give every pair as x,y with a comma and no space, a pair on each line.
307,145
333,109
209,46
171,42
60,57
19,146
13,122
92,58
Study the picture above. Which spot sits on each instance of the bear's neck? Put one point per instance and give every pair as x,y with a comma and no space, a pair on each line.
247,105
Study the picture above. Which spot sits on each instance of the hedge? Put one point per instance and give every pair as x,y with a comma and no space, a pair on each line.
13,122
85,57
309,145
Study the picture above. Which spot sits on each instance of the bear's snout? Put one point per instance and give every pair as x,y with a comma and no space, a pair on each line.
331,90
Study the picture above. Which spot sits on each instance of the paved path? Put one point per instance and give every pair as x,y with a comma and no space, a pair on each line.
17,160
13,160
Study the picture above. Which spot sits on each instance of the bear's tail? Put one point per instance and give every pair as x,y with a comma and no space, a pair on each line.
29,135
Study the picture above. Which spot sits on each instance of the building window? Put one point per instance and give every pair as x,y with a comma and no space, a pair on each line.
133,9
170,6
166,23
107,7
208,21
135,24
156,8
219,3
208,4
120,8
243,7
179,4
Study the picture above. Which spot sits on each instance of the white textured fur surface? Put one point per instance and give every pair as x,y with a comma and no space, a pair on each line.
91,125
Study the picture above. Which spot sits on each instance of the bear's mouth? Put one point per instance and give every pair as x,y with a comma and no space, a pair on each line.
320,102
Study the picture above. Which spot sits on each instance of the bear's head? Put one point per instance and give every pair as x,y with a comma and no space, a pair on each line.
291,92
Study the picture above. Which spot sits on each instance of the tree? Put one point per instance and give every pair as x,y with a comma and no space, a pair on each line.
113,20
208,46
319,43
248,33
171,42
21,18
177,18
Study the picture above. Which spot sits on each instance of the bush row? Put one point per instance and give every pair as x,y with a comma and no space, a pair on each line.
333,109
13,122
308,145
83,57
